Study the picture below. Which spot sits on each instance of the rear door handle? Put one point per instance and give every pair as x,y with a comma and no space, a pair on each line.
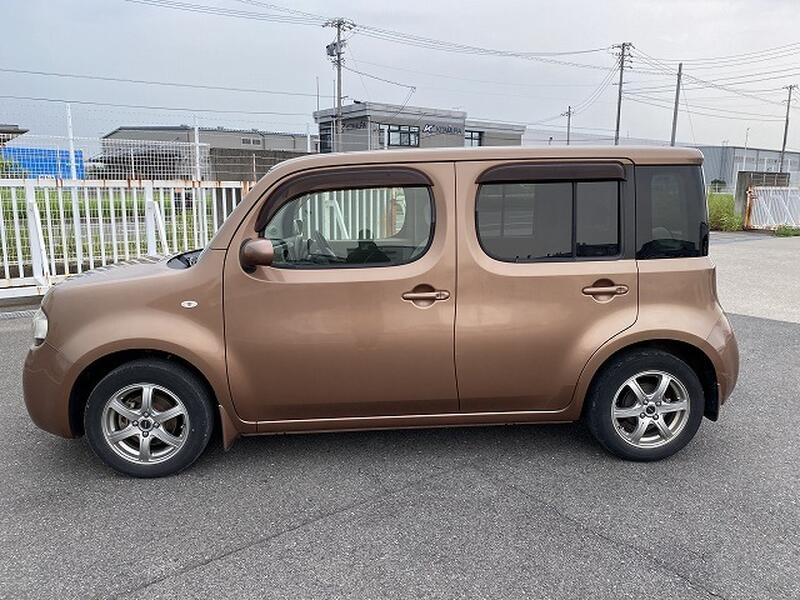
430,296
605,290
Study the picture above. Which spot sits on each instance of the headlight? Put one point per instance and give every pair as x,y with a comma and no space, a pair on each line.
39,327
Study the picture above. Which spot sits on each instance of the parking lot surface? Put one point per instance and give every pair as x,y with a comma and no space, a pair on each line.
503,512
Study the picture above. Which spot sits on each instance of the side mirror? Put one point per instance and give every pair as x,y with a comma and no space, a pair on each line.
254,253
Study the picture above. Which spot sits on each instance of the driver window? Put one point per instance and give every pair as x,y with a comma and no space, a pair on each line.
349,228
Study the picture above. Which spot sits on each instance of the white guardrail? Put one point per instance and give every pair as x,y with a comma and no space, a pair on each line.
771,207
52,228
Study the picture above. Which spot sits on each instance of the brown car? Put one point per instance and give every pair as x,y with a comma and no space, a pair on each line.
405,289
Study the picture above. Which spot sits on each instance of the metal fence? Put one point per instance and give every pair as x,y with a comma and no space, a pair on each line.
52,228
48,156
772,207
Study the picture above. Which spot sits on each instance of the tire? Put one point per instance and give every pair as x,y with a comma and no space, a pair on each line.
149,439
618,413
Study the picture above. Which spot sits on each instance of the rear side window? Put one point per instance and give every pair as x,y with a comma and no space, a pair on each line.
525,222
671,219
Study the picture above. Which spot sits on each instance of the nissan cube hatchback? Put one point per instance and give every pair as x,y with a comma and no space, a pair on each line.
396,289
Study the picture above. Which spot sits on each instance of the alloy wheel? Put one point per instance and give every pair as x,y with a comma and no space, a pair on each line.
650,409
145,423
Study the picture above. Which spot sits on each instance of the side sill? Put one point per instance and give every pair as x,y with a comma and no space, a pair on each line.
414,421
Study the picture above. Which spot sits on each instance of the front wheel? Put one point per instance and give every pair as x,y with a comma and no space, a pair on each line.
645,405
149,418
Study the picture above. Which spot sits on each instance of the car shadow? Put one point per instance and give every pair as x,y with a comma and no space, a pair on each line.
72,460
434,444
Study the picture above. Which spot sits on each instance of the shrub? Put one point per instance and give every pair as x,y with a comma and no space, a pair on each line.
720,213
787,231
718,184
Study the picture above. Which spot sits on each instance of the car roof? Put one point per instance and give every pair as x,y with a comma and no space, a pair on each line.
640,155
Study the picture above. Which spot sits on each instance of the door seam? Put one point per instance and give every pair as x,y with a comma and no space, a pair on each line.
455,279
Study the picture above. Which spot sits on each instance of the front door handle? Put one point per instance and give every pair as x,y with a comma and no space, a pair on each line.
424,295
606,290
432,296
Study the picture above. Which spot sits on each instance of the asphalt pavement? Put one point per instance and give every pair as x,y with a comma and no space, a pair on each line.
491,512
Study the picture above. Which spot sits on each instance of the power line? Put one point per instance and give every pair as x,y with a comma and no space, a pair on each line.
711,108
742,79
792,48
689,115
397,83
196,86
472,80
292,11
704,114
725,87
171,108
298,17
227,12
595,95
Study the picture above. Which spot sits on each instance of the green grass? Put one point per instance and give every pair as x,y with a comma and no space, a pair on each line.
720,213
787,231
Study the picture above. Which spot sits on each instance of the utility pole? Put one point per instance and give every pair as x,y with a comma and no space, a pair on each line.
335,51
73,173
746,139
786,126
677,101
197,172
73,170
624,47
568,114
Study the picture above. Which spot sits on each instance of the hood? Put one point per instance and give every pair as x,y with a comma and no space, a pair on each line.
134,268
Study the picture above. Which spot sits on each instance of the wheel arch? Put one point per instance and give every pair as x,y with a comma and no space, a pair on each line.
690,352
92,373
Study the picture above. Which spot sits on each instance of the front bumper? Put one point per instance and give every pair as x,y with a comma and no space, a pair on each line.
46,391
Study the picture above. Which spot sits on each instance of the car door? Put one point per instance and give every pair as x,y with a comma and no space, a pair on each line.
546,275
355,317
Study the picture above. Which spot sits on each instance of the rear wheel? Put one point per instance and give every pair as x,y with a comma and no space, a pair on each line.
149,418
645,405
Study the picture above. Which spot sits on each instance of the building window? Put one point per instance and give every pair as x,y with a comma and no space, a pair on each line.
256,141
473,138
326,138
246,141
404,135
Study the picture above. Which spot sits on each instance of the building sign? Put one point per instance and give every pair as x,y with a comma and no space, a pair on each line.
354,124
435,129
